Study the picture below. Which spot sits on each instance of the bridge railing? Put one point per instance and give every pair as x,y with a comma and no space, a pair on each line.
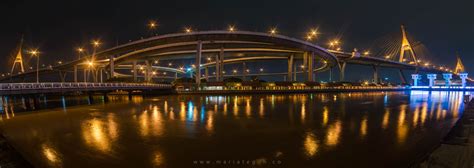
55,85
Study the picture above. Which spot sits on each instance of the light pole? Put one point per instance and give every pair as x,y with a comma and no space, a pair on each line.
34,53
80,50
152,26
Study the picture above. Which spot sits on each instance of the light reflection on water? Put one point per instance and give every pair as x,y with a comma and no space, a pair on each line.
303,129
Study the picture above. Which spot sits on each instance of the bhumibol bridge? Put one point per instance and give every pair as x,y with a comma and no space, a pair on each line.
210,51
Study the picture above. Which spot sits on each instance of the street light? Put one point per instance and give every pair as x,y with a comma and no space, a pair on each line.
366,53
188,30
231,28
35,53
80,50
96,43
90,64
313,32
152,25
273,31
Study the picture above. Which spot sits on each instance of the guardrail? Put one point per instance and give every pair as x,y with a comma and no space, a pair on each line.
54,85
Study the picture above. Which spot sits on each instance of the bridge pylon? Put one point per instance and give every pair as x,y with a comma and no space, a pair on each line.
19,59
459,65
406,46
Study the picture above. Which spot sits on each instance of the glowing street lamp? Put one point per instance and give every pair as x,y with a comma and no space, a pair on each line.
366,53
231,28
152,24
95,43
334,43
313,32
188,30
80,50
273,31
35,53
90,63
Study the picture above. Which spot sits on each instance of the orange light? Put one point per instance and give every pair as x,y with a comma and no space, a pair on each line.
231,28
273,31
152,24
188,30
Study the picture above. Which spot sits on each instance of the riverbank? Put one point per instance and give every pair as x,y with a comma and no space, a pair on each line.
282,91
342,89
457,148
9,157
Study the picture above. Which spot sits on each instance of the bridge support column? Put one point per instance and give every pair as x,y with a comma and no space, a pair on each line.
330,74
310,66
26,100
221,64
447,78
106,98
148,71
376,74
342,69
290,67
416,78
217,75
90,97
75,73
62,76
198,63
431,77
134,70
463,77
95,74
36,102
111,63
402,76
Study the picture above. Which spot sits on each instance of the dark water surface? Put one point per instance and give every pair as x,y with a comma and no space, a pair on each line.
379,129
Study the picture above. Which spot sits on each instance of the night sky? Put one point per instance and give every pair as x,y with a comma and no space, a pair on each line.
58,27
